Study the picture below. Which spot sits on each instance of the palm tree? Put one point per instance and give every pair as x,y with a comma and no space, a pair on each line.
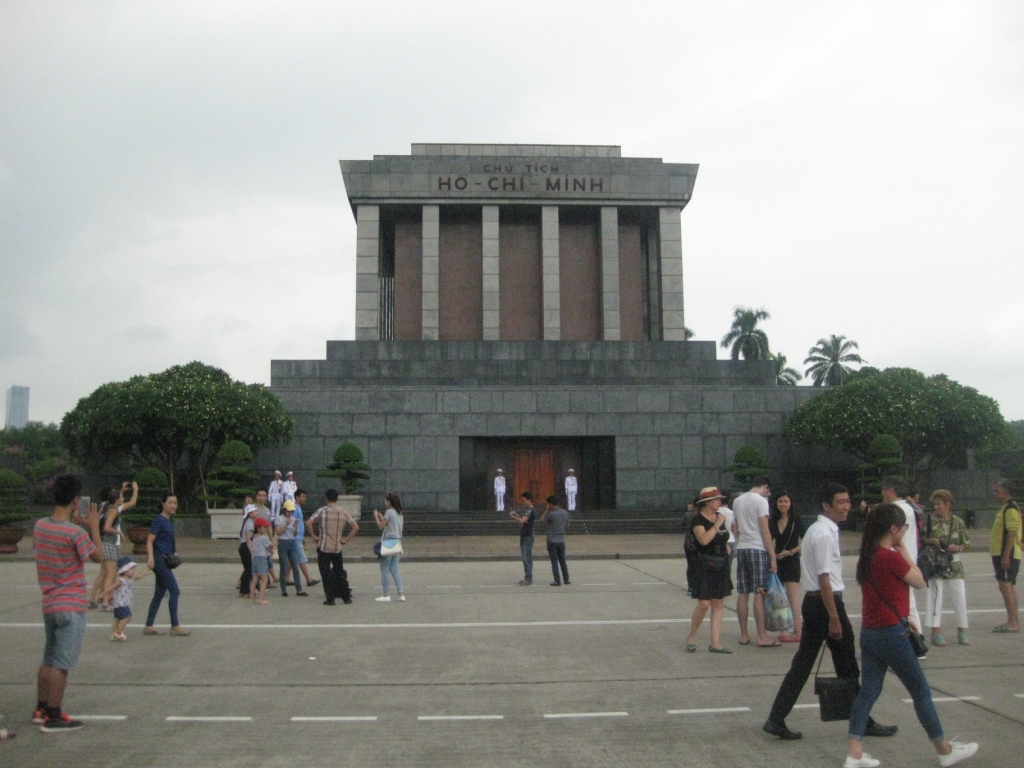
828,358
784,376
745,338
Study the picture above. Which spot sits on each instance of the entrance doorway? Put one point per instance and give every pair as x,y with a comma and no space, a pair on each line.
534,472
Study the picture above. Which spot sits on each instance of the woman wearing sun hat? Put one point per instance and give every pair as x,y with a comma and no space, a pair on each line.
707,568
244,553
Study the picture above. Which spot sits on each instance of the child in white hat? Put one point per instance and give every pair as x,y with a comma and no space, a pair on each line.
123,593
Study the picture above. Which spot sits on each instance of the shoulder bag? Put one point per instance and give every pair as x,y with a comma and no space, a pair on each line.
915,638
934,561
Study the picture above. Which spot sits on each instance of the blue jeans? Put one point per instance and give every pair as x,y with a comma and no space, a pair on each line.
288,551
389,565
165,584
526,545
885,648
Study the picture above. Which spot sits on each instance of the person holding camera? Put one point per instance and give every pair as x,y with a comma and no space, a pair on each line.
946,533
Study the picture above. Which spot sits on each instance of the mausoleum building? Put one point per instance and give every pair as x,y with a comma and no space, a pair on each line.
521,307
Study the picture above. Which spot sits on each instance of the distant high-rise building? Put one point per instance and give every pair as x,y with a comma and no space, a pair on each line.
17,407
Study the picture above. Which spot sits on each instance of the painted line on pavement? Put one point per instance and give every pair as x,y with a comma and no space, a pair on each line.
101,717
609,584
566,715
180,719
806,706
461,717
938,699
452,625
336,719
709,710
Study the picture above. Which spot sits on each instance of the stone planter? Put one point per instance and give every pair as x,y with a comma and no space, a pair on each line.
351,504
225,523
138,534
10,535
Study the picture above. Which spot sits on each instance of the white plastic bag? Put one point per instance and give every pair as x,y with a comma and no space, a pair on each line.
778,614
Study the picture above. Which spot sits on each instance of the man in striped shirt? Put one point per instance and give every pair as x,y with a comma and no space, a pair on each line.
328,527
62,548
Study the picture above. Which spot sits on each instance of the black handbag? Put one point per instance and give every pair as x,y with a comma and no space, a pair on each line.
172,561
835,694
713,562
915,638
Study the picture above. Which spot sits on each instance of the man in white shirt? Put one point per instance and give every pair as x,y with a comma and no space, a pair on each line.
755,554
894,489
289,487
825,619
276,495
571,486
499,490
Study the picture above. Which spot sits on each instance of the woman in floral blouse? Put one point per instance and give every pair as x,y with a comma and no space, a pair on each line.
946,531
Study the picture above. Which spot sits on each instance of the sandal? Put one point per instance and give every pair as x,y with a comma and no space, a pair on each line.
691,647
1002,629
961,638
939,641
723,649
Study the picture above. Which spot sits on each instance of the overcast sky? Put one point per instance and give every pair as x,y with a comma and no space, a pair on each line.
170,190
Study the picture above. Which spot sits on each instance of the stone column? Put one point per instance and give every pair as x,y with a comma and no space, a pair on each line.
551,306
491,295
671,238
367,272
612,324
431,270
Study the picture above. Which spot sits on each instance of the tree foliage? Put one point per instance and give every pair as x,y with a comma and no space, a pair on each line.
828,360
744,337
175,421
348,466
13,498
784,376
885,459
932,417
232,479
39,452
747,464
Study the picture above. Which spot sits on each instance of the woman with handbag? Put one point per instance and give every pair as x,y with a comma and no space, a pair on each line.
163,558
787,531
391,523
885,572
945,537
707,568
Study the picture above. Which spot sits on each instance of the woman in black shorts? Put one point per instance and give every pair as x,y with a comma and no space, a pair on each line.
707,568
787,531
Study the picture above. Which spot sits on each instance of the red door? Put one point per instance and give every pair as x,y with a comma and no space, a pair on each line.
534,472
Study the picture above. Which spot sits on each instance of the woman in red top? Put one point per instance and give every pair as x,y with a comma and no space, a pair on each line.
885,573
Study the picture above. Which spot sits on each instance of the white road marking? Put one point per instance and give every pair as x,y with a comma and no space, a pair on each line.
609,584
444,586
179,719
1019,695
101,717
649,584
336,719
461,717
938,699
706,711
564,715
806,706
452,625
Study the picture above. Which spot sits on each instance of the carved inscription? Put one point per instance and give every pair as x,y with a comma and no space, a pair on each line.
533,177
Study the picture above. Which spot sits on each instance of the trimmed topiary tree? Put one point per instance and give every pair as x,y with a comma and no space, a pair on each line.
13,498
747,464
232,479
349,467
885,457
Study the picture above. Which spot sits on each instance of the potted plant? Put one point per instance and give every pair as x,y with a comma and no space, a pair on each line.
13,510
349,467
152,486
227,486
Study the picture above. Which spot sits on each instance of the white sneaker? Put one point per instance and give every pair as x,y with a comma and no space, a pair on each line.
867,761
401,598
961,751
383,599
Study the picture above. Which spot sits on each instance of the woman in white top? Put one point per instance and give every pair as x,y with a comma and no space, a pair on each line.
391,523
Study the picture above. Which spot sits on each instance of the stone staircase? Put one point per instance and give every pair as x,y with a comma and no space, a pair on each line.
491,523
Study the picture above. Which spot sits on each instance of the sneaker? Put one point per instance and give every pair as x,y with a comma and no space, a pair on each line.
401,598
383,599
63,722
960,751
867,761
119,636
39,716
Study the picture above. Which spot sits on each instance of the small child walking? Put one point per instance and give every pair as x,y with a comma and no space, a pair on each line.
262,548
122,594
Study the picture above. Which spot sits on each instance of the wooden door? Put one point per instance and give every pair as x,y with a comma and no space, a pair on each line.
534,472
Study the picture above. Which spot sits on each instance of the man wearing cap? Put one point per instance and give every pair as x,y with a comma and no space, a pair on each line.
276,494
755,557
244,551
571,486
328,526
499,490
289,487
825,620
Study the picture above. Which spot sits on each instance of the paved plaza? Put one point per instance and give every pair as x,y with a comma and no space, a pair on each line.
470,671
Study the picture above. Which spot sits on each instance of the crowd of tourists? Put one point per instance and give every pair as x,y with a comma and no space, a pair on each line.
902,547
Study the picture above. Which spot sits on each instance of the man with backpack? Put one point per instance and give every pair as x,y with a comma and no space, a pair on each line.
1005,548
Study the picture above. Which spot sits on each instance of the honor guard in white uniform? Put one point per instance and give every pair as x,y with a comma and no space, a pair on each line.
276,495
289,487
499,490
571,486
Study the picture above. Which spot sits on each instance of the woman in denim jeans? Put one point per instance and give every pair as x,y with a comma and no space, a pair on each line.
391,522
885,573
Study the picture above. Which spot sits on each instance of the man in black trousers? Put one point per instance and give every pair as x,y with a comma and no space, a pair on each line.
328,527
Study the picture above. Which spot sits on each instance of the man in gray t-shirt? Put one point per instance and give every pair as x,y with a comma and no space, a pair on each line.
557,520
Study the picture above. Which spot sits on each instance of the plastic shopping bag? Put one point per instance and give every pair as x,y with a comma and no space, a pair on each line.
778,615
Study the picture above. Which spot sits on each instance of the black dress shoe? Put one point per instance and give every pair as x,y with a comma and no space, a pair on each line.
775,729
347,600
328,602
874,729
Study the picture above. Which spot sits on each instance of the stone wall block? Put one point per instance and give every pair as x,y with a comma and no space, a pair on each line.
470,424
652,401
454,402
686,400
669,453
437,424
717,401
625,453
553,401
368,424
425,452
619,401
692,451
636,424
519,401
503,424
609,424
671,423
